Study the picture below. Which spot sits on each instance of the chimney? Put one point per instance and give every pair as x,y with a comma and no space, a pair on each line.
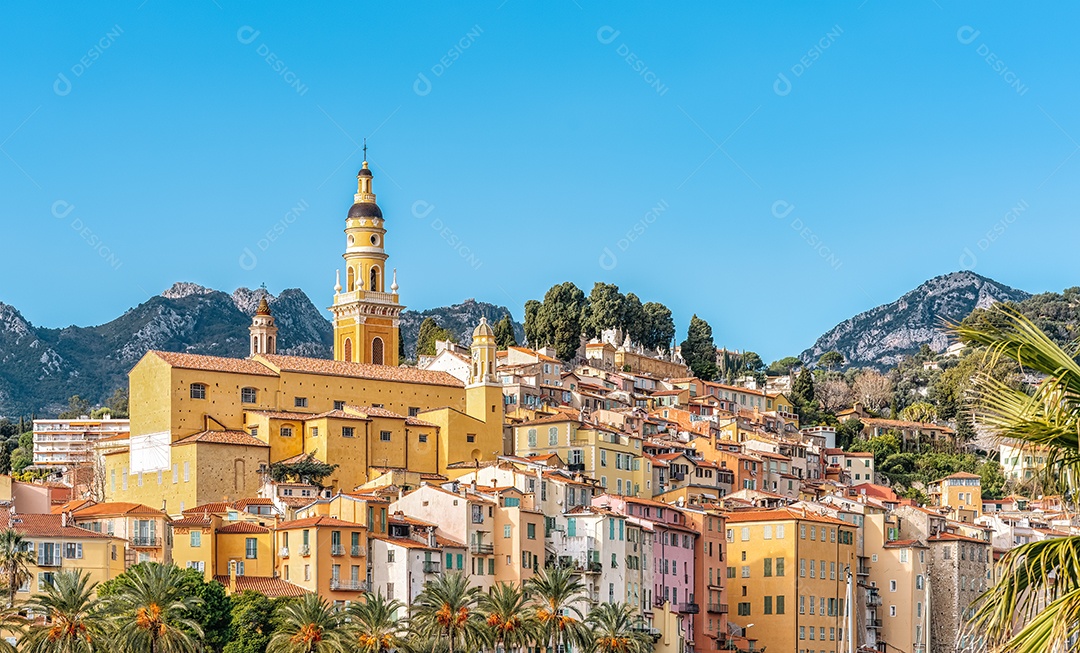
473,484
232,576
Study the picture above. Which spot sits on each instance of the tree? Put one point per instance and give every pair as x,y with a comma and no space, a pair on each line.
785,365
834,394
607,309
5,459
308,469
12,623
251,622
511,621
151,612
847,432
699,350
429,332
634,321
802,389
562,314
831,360
613,631
375,623
23,456
873,389
15,562
77,407
661,327
557,591
1034,604
920,411
534,330
446,610
310,625
882,446
72,623
504,333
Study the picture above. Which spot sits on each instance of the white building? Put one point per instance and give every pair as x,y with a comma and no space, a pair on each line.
67,442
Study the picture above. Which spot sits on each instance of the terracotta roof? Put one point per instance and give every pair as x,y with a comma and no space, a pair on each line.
412,521
292,459
47,525
958,475
282,414
402,542
269,587
116,508
253,501
375,411
212,363
877,421
954,537
782,514
243,527
222,437
903,544
70,506
212,507
412,421
553,419
447,542
192,521
308,522
359,370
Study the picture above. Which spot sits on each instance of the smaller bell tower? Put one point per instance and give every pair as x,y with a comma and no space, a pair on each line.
262,329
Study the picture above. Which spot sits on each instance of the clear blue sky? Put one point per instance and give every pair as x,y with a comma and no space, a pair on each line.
177,135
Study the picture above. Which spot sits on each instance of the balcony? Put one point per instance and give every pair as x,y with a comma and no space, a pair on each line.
863,571
146,542
689,608
337,550
348,585
479,548
678,476
575,467
873,623
49,560
432,567
717,608
358,551
305,550
873,600
283,552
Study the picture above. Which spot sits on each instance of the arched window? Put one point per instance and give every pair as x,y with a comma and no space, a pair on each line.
348,349
374,287
377,351
254,344
270,345
238,474
198,391
351,284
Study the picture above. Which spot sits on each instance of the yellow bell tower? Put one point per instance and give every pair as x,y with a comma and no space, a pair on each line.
366,317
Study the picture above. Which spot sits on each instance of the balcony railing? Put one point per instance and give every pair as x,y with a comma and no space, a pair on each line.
283,552
863,571
337,550
479,548
717,608
689,608
49,560
146,541
357,551
432,566
305,550
873,600
349,585
873,623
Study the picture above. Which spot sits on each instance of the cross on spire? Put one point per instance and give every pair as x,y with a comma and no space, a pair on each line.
365,149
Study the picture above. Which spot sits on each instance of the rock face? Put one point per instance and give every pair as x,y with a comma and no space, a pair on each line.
882,336
40,368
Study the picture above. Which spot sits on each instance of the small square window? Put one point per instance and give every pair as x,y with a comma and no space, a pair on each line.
384,436
198,391
422,437
300,402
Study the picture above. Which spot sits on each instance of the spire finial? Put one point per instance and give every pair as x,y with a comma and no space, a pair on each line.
337,283
394,286
365,149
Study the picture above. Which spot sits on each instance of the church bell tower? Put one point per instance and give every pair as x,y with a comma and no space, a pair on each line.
365,315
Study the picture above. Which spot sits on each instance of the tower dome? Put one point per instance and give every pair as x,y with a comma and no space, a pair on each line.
483,329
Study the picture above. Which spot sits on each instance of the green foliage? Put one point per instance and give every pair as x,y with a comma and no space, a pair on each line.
309,625
251,623
560,319
430,331
504,334
152,608
699,350
660,332
882,446
74,623
15,562
784,366
634,320
605,309
77,407
532,325
848,431
920,411
831,360
306,470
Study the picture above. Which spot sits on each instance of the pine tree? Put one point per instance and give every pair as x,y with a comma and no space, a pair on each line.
504,334
699,350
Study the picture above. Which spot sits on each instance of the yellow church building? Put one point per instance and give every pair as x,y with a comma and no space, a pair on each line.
204,427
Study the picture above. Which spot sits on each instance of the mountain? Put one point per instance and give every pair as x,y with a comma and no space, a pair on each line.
882,336
41,367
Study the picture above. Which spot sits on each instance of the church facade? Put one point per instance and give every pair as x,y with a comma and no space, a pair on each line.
207,428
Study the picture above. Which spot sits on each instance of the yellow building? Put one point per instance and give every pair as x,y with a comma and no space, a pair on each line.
365,315
144,528
787,575
325,555
611,457
961,493
56,545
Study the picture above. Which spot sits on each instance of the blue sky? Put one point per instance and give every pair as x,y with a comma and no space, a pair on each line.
775,168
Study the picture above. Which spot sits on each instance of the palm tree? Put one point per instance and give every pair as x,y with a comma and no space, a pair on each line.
1035,605
12,624
72,621
511,620
446,610
375,623
309,625
556,591
613,630
151,612
15,561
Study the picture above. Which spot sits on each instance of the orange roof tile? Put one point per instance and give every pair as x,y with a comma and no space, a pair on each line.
358,370
47,525
116,508
222,437
243,527
268,587
782,514
308,522
212,363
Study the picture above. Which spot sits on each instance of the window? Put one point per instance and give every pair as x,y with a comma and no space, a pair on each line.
491,566
779,531
384,436
745,535
603,458
390,555
72,550
553,436
780,604
198,391
892,585
506,530
196,538
314,431
286,431
768,571
338,404
422,437
744,609
768,605
532,437
248,395
348,431
300,402
530,531
779,566
251,548
470,437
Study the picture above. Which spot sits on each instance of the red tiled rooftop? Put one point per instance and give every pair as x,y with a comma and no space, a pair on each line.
243,527
359,370
212,363
116,508
222,437
269,587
